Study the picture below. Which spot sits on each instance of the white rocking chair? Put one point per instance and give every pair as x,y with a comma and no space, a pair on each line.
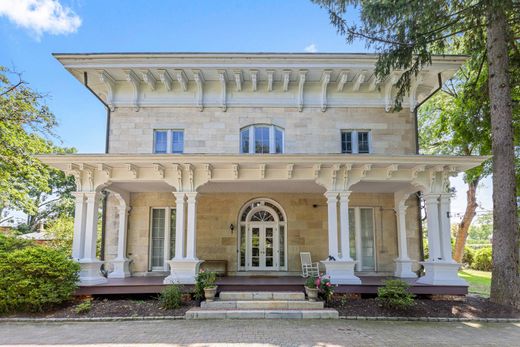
308,267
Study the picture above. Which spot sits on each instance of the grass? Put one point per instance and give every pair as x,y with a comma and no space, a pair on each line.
479,281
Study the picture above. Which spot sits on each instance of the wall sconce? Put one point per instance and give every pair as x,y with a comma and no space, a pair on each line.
231,227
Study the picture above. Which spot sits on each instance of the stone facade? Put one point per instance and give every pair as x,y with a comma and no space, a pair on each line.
308,132
306,227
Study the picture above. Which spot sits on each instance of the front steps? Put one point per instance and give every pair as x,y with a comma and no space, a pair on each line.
261,305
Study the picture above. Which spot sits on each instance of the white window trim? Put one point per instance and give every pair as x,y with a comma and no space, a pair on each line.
169,140
358,238
272,138
167,237
355,140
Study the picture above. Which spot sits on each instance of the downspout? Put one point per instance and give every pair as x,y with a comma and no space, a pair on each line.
419,216
105,193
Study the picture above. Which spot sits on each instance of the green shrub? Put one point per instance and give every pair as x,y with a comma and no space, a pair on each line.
469,256
10,243
204,279
311,282
171,297
83,307
483,259
34,278
395,295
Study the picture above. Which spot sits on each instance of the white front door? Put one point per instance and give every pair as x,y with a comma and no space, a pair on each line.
263,247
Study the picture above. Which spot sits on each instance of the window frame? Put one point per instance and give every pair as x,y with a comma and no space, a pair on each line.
252,141
169,230
354,139
169,140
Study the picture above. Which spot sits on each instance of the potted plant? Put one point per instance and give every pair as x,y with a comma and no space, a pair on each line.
311,288
206,282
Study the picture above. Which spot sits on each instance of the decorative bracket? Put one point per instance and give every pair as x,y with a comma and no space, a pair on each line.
235,171
325,79
290,169
182,79
334,174
301,83
317,169
413,90
262,171
238,80
346,172
106,169
373,83
178,169
149,79
391,169
342,79
358,80
416,170
89,171
254,80
158,169
73,169
389,85
222,80
166,79
136,85
286,77
191,173
365,169
209,171
134,170
270,79
110,84
199,81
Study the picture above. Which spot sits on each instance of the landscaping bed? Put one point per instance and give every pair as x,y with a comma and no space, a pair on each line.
112,307
471,307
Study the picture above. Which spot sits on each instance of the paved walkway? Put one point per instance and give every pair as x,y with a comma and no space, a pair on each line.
260,333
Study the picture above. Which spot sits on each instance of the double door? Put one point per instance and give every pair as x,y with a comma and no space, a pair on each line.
263,246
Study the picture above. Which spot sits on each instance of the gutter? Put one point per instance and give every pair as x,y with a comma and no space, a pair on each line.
105,193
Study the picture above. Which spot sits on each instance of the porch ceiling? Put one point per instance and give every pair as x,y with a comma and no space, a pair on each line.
262,187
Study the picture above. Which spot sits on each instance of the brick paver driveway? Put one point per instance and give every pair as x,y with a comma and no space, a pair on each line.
260,333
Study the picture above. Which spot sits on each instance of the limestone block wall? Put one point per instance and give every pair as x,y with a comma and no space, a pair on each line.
306,226
214,131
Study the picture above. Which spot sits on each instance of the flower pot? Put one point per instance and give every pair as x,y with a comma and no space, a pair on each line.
312,293
209,293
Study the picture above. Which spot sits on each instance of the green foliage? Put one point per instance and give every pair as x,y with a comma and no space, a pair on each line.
311,282
171,297
395,295
325,286
62,230
483,229
9,244
483,259
84,307
204,279
468,256
34,277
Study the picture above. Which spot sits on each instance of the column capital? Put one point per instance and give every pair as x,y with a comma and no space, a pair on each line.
344,196
80,196
331,196
92,196
401,206
192,197
179,196
430,198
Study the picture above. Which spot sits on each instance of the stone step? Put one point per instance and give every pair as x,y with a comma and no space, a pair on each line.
257,296
262,304
199,313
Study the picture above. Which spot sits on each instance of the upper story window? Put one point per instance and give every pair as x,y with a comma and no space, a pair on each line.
355,141
261,139
168,141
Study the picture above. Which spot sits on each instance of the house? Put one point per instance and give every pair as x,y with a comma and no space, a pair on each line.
249,159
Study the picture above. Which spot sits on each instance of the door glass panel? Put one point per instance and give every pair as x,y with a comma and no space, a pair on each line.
281,246
269,240
352,232
242,245
367,239
157,246
173,218
255,247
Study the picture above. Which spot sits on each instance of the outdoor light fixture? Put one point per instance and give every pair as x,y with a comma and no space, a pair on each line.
231,227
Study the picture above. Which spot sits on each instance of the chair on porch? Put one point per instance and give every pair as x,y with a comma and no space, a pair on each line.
308,267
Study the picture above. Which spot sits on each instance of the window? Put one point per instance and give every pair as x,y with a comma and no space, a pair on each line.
168,141
262,139
355,141
162,237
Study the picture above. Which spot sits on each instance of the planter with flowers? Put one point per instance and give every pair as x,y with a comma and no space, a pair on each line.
311,289
319,286
205,285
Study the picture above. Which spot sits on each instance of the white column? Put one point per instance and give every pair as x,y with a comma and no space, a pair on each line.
179,225
90,266
403,264
359,246
91,226
344,225
121,263
432,219
78,241
191,227
445,227
167,237
332,211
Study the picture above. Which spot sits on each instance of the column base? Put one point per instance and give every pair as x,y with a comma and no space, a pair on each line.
121,268
403,268
183,271
341,271
90,273
441,273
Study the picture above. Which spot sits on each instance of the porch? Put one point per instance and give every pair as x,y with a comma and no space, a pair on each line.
368,285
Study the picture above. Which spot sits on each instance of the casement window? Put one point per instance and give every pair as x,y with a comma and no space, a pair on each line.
355,141
168,141
261,139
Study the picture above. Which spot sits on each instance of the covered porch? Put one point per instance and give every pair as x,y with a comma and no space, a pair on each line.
356,214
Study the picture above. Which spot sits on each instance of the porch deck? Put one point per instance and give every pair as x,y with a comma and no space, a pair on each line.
369,285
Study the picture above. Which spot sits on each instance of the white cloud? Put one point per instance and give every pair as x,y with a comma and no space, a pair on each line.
41,16
311,48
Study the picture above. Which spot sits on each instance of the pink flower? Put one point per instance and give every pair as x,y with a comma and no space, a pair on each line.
328,284
318,282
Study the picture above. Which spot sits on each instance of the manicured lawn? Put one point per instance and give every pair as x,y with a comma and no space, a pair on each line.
479,281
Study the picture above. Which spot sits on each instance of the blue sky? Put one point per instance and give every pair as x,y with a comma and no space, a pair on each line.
27,41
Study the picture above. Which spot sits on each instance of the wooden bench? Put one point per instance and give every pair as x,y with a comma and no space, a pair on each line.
218,266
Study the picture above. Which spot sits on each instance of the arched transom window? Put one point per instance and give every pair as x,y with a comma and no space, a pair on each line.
261,139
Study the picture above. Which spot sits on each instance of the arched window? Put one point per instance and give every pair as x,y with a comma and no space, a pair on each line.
261,138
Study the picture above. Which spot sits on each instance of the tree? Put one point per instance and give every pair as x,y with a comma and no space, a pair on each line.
483,230
25,125
406,34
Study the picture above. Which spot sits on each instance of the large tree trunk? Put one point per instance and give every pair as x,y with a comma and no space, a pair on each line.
463,227
505,284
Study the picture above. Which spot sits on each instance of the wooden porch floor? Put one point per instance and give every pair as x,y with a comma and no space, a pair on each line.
369,285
